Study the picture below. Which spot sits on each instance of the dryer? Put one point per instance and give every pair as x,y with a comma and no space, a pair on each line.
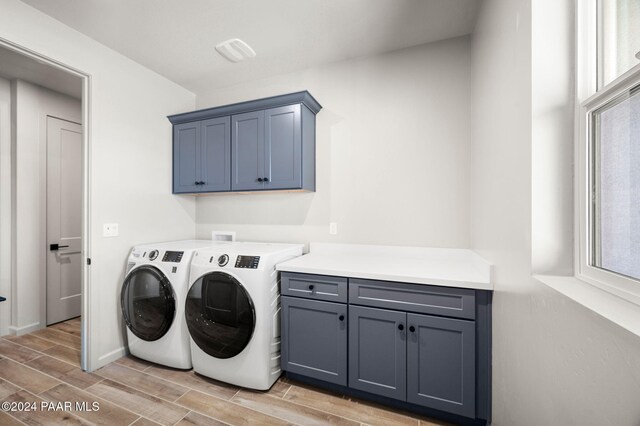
152,301
232,312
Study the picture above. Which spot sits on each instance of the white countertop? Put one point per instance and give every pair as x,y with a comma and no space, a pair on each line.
419,265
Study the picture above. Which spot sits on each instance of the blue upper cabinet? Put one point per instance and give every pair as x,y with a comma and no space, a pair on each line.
247,151
186,155
202,156
215,155
266,144
283,148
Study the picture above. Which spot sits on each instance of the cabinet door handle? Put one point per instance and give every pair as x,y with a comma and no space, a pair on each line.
266,179
311,287
341,317
259,179
400,326
412,329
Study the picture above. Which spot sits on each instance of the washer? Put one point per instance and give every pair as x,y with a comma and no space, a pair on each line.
152,301
233,312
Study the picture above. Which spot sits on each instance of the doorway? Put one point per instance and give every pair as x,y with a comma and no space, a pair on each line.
47,222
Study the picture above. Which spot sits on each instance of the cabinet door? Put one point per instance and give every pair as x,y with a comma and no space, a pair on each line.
314,339
186,155
215,154
283,148
441,363
378,351
247,151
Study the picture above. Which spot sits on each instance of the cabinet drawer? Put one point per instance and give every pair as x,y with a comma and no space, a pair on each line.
318,287
444,301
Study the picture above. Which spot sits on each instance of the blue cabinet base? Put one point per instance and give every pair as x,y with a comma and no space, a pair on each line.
429,352
394,403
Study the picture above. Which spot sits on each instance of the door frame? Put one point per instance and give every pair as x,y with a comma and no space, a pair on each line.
85,358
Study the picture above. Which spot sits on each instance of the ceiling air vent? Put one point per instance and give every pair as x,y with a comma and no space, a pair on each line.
235,50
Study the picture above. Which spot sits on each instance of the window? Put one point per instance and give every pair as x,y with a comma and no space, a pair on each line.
608,167
615,165
618,38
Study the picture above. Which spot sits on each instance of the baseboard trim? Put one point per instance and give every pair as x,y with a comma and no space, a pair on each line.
19,331
110,357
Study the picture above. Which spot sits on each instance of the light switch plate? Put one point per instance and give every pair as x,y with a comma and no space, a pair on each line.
110,230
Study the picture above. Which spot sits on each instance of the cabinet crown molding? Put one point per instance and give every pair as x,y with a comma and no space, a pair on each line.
303,97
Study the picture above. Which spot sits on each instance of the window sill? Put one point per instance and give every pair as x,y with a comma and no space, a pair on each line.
615,309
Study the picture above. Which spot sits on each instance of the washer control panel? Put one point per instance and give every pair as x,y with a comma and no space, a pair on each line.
247,262
172,256
153,254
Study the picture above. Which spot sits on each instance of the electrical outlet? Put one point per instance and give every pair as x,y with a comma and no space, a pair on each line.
110,230
333,228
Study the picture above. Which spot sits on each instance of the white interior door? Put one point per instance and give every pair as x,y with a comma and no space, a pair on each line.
64,219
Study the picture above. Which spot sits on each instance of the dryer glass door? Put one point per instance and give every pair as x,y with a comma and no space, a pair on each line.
220,315
148,303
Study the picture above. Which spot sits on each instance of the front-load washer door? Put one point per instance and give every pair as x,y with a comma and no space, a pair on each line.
148,303
220,315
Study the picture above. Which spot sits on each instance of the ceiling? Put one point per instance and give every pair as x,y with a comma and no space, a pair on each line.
177,38
18,66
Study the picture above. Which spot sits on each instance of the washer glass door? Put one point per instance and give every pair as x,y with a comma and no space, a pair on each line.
220,315
148,303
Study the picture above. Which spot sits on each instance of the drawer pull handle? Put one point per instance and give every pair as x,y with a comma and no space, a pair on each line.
412,329
400,326
311,287
341,317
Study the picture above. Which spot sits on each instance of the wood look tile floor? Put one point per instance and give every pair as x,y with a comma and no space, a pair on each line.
44,367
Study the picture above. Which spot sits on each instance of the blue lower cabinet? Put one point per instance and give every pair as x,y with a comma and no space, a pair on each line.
377,351
314,339
429,352
441,363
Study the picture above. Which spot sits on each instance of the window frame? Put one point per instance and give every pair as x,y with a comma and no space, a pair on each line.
589,98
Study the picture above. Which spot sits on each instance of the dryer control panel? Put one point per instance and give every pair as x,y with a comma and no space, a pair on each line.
247,262
172,256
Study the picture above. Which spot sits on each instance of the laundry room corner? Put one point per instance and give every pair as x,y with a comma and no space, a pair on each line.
130,158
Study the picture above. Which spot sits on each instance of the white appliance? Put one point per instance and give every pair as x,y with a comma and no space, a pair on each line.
152,301
233,312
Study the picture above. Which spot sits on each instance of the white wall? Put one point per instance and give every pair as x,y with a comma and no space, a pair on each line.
5,205
31,106
130,180
554,361
552,104
392,154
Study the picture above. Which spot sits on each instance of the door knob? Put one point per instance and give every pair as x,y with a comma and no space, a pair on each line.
259,179
412,329
266,179
400,326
